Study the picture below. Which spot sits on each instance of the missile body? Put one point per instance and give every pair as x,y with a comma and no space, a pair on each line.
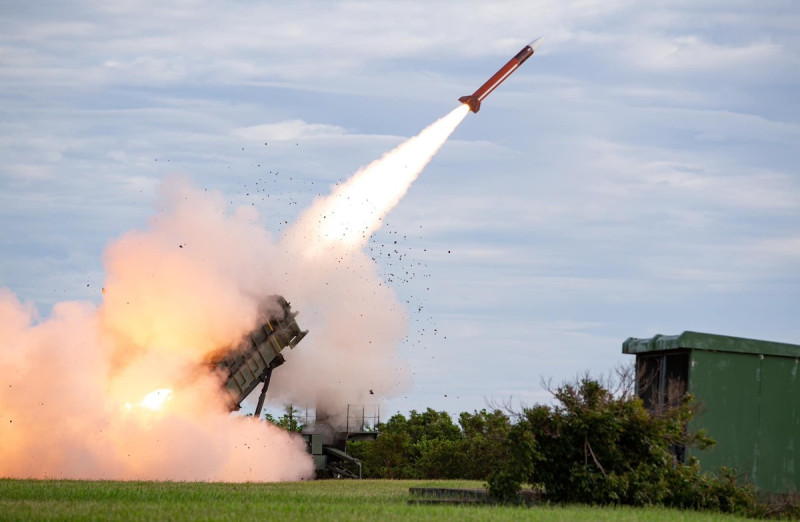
474,100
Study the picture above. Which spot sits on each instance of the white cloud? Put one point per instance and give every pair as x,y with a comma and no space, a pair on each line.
694,53
289,130
681,176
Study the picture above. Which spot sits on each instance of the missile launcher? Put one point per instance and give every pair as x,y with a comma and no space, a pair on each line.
251,362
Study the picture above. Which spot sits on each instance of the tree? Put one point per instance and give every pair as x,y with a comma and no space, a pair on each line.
385,457
429,425
485,443
290,420
429,445
413,447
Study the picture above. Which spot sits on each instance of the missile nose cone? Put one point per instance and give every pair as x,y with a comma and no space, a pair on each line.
535,44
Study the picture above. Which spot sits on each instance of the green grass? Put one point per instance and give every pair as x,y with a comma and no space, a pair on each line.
367,500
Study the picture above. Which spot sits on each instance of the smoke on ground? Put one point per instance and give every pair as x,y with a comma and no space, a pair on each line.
119,390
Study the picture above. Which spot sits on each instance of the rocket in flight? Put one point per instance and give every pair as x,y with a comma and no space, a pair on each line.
474,100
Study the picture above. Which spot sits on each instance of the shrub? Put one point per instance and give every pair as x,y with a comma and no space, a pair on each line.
597,447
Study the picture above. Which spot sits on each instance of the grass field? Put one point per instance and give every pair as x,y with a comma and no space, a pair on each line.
368,500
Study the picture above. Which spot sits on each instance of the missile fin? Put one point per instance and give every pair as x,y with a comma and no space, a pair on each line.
472,101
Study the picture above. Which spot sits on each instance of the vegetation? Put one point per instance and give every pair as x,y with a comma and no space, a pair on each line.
596,445
367,500
290,420
429,445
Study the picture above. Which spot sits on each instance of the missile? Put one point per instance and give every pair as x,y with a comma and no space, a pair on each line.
474,100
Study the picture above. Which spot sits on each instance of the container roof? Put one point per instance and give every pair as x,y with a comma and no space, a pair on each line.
710,342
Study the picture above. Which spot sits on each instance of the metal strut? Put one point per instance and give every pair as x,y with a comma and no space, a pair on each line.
265,378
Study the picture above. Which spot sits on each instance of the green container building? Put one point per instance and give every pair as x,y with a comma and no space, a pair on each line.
748,393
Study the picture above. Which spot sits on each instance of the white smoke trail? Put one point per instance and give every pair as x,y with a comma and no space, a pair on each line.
353,212
351,356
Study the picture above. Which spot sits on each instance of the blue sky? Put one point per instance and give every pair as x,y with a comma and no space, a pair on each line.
638,175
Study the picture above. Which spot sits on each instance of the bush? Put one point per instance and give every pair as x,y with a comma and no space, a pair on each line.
598,447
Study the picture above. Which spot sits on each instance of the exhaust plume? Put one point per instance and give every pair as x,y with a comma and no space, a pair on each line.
357,320
347,218
119,390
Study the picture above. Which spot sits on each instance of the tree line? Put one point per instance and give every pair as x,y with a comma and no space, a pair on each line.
596,444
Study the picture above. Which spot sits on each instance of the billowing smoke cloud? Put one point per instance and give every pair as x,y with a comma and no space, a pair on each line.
120,391
77,393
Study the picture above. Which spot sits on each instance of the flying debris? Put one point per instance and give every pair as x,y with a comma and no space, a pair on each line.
474,100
